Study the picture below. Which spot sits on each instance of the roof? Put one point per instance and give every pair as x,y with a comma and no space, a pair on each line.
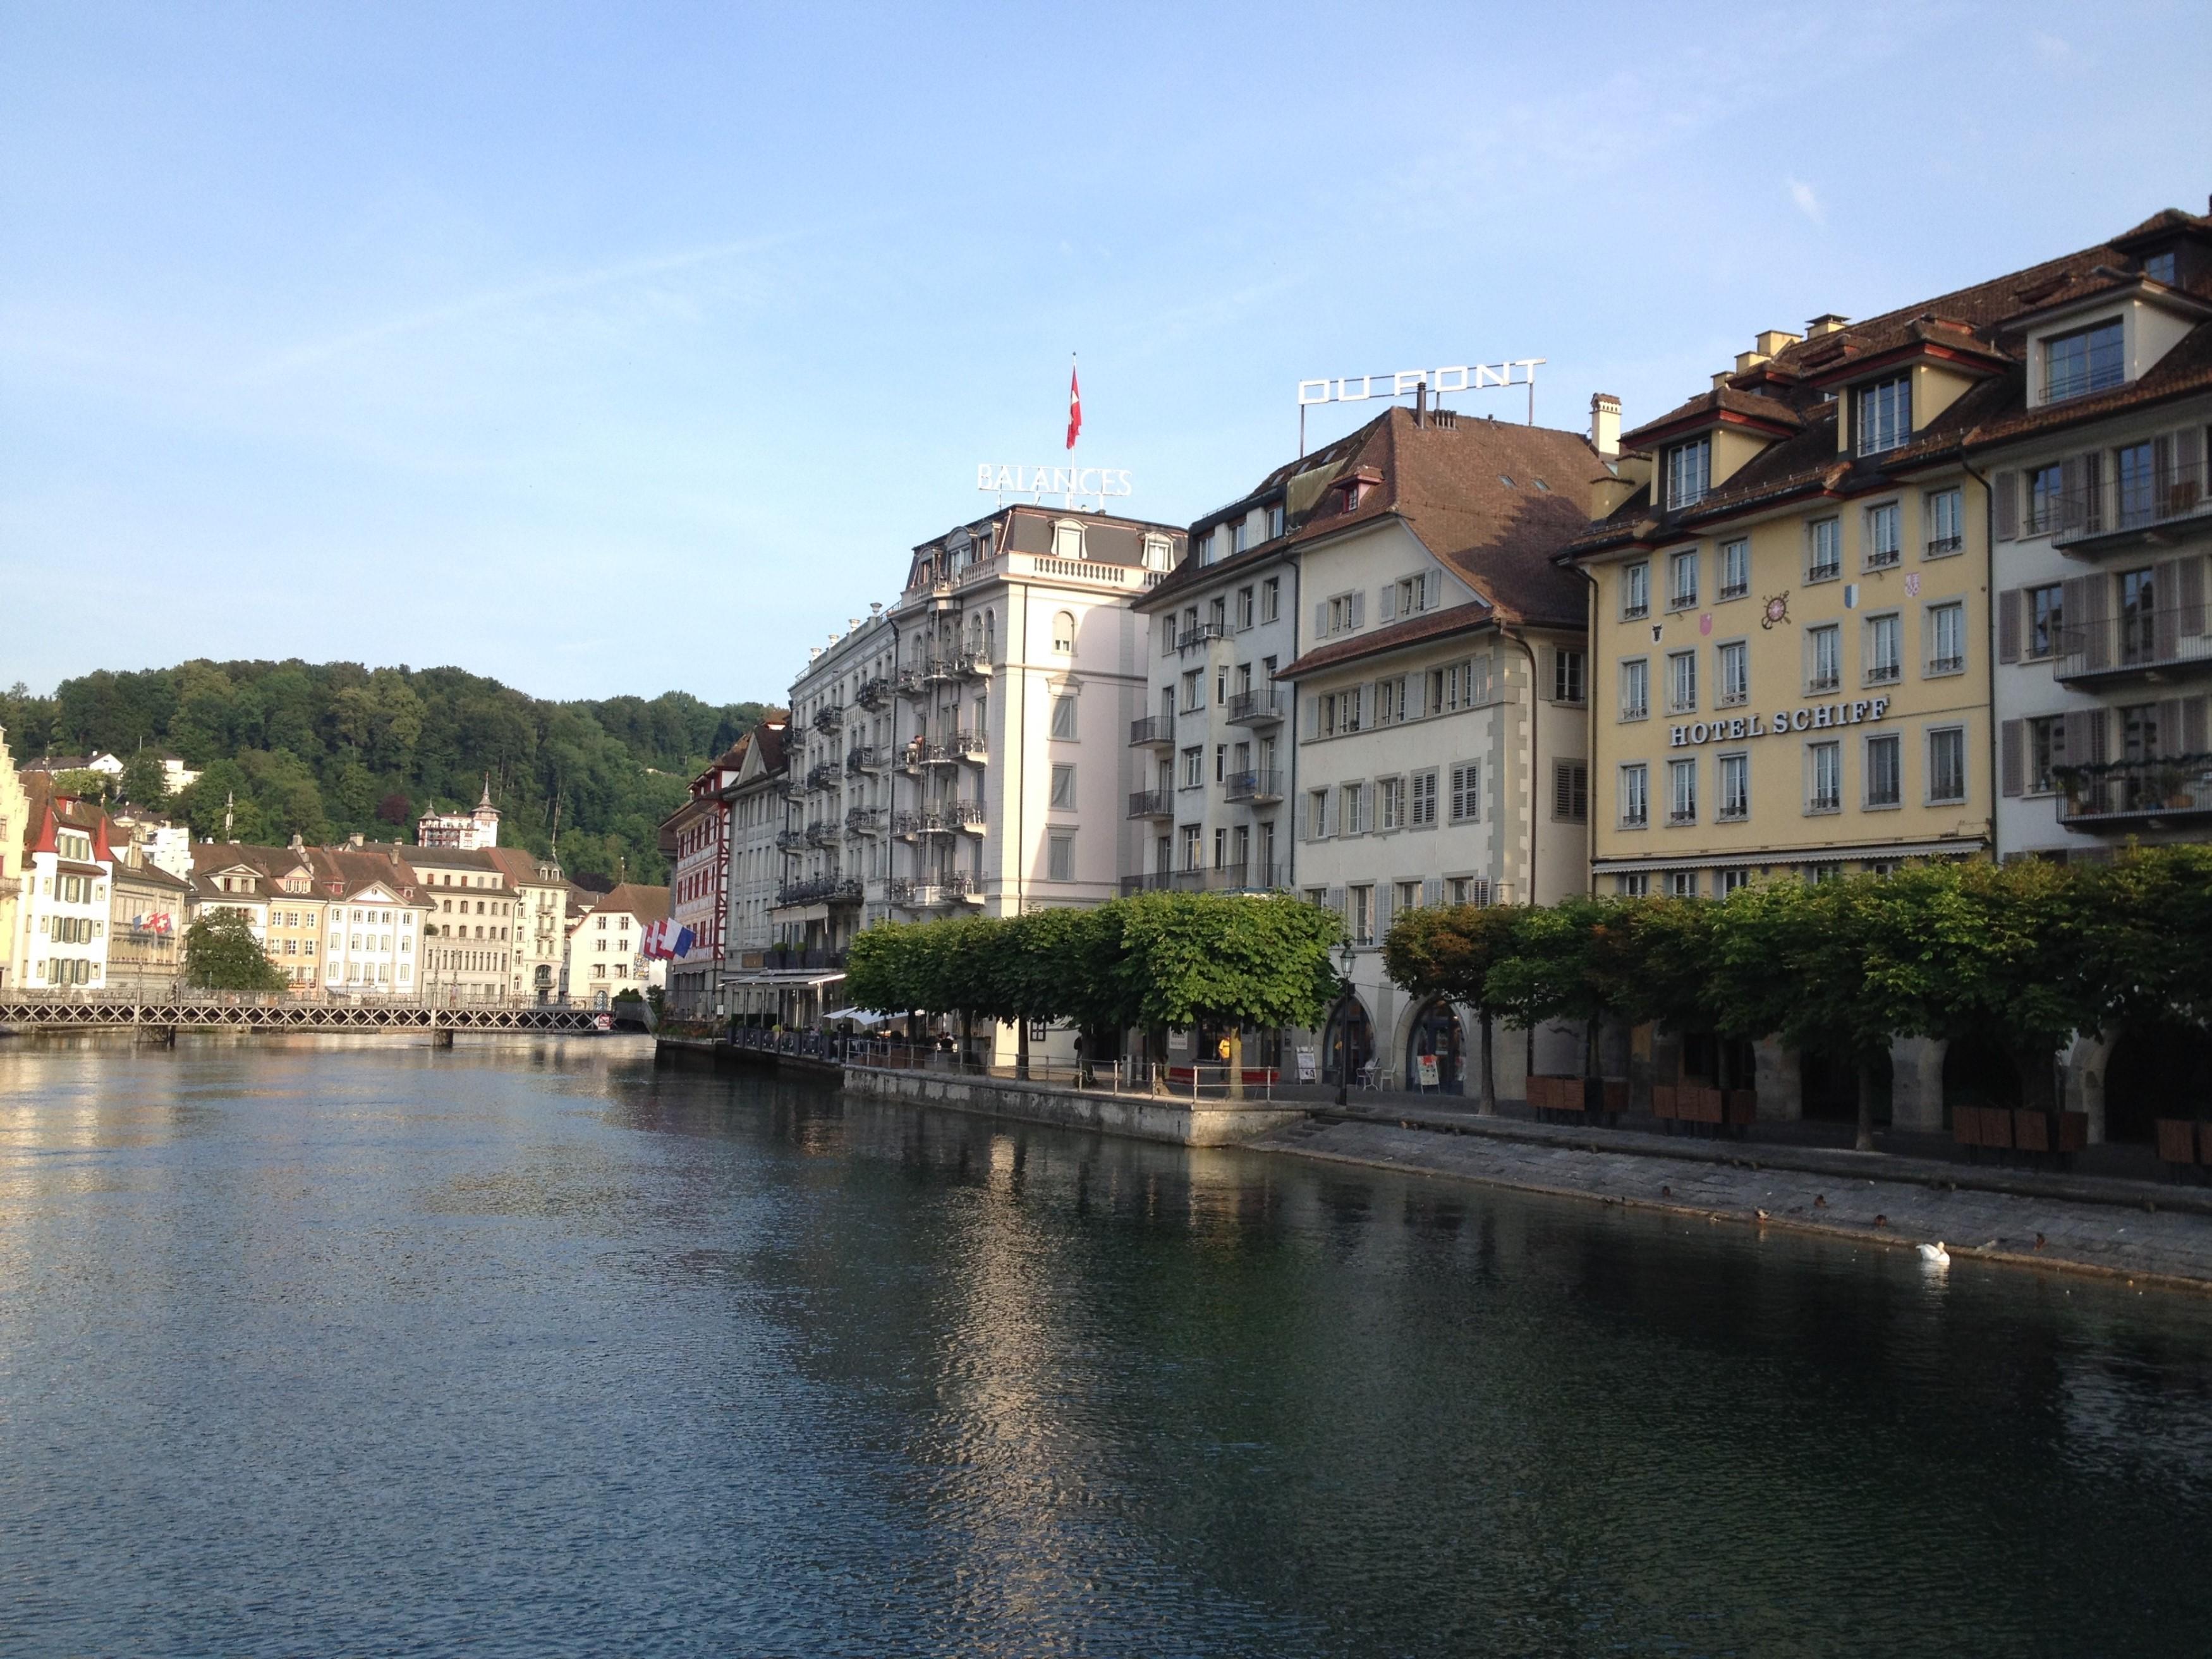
521,867
646,903
355,870
1493,500
1108,538
1414,630
476,860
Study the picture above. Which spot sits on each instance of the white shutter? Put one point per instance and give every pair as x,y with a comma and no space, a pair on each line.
1432,589
2006,487
1386,602
1335,901
1357,604
1321,619
1432,891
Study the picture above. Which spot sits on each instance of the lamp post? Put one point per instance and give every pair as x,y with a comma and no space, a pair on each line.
1345,958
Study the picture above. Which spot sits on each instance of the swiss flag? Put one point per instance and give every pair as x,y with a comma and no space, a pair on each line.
1074,408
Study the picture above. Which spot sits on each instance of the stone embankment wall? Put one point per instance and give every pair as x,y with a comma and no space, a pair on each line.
1144,1117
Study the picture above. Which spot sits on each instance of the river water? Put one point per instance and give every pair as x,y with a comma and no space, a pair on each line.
531,1348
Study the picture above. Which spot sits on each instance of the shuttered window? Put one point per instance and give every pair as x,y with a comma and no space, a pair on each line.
1467,792
1570,791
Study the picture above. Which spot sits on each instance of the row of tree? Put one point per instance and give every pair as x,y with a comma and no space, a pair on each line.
1155,961
2023,954
325,749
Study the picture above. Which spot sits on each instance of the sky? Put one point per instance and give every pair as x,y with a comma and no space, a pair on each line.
623,348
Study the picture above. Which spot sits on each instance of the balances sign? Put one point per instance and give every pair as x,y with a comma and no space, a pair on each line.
1068,483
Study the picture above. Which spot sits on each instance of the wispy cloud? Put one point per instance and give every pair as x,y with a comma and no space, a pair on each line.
1807,202
493,300
2049,47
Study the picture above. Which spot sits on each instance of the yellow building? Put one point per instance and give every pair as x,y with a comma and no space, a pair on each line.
1789,610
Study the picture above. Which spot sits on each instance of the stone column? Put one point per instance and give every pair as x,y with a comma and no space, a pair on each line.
1915,1085
1781,1088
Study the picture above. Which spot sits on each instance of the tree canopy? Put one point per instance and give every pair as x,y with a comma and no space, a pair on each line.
323,749
221,954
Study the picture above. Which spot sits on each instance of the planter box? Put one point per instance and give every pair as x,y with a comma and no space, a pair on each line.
1663,1100
1740,1106
2073,1131
1997,1126
2177,1141
1966,1125
2030,1131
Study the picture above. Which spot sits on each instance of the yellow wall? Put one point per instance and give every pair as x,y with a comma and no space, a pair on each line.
1779,822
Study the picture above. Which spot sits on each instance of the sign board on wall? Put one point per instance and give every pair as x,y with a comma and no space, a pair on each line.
1815,717
1070,483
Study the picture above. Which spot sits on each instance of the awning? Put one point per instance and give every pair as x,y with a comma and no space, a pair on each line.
787,979
1960,847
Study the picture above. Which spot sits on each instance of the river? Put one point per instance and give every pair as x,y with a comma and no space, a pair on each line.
529,1347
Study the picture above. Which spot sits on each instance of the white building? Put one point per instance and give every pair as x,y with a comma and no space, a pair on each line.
467,832
1441,740
61,909
374,924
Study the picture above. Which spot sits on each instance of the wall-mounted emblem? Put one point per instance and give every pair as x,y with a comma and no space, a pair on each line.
1705,623
1776,610
1913,583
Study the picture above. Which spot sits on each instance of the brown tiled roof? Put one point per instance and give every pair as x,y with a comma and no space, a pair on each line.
646,903
356,869
518,865
1414,630
1718,403
1449,480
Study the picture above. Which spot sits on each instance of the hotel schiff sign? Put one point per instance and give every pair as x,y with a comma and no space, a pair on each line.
1814,717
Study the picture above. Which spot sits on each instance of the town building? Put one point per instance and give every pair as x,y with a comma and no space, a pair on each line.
750,983
375,925
275,888
606,942
176,776
541,921
149,911
697,838
1441,731
466,832
473,949
62,909
15,814
964,749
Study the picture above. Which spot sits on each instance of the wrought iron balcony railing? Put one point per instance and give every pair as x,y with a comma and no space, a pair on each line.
1260,707
1152,730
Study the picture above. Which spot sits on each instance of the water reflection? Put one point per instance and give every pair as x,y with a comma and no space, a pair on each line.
321,1345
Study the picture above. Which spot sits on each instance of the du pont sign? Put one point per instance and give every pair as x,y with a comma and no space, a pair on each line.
1814,717
1458,376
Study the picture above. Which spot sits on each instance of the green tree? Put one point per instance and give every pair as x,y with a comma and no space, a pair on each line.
84,784
144,782
1574,962
1450,951
221,954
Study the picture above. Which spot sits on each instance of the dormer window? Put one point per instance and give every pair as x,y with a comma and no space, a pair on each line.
1689,473
1067,541
1274,520
2159,267
2088,359
1159,553
1350,494
1885,415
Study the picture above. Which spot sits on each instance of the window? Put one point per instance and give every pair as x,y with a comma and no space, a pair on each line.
1884,546
1468,890
1193,690
1423,808
1637,883
1682,791
1689,473
1412,595
1884,779
2046,616
1317,814
1220,763
1730,881
1567,676
1735,788
1274,520
1342,614
1682,884
1885,415
1244,608
2159,267
1946,765
1883,664
1359,914
1635,688
1271,591
1063,632
1947,638
1390,803
1735,659
1467,792
1194,767
1570,791
2046,490
1682,579
1823,658
1824,777
1060,858
1681,682
1736,568
2047,752
1824,550
1635,590
1947,523
1350,813
1635,796
2134,475
1390,701
1063,718
1239,535
2088,359
1193,848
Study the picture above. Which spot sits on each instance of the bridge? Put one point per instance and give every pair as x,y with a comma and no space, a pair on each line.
27,1014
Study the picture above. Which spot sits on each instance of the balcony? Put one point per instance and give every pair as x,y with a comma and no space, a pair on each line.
819,890
1265,707
1204,634
1884,673
823,832
867,758
919,753
865,821
1226,879
2132,795
830,717
930,892
1152,804
966,815
1153,731
907,825
967,745
874,694
790,841
971,664
2155,508
2152,644
823,776
1255,788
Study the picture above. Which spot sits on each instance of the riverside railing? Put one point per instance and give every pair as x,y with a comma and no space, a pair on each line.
1122,1076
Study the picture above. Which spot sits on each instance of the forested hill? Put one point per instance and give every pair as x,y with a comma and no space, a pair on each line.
326,749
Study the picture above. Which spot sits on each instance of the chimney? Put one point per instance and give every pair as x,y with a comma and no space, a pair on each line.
1604,423
1828,322
1421,403
356,839
1773,342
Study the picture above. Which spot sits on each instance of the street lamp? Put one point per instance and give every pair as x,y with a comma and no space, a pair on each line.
1345,959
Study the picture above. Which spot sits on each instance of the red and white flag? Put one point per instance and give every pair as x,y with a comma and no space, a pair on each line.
1074,408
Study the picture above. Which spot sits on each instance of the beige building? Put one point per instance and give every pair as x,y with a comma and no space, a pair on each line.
476,949
541,922
148,909
275,890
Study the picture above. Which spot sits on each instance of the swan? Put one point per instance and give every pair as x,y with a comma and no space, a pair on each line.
1935,1255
